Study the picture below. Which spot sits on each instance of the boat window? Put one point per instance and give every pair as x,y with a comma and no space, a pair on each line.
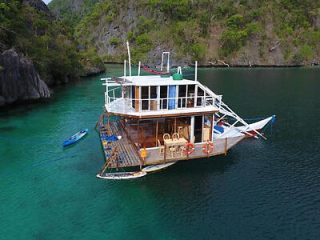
191,90
163,97
145,97
153,97
153,92
182,96
133,95
200,99
190,96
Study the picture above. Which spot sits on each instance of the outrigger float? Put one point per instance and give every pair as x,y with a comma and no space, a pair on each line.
164,118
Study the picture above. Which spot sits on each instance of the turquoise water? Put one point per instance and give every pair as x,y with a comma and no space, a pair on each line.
260,190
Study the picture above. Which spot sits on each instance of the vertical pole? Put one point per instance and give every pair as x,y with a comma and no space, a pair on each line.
195,95
168,62
128,47
139,68
125,68
192,129
107,94
139,135
196,72
158,98
157,130
161,67
211,128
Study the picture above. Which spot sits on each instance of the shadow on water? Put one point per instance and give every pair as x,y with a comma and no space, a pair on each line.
22,109
8,129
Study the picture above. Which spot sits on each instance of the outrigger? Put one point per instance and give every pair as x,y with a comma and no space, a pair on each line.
165,118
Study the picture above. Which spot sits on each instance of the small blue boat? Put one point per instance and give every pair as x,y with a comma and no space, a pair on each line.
76,137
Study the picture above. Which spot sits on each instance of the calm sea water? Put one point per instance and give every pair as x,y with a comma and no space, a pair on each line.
260,190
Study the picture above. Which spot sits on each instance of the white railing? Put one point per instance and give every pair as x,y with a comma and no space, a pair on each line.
155,104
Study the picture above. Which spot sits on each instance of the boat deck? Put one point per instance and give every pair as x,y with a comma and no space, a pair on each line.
128,154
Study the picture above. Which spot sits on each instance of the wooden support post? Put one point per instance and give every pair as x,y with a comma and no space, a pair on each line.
157,130
211,127
175,125
226,146
113,156
139,135
165,152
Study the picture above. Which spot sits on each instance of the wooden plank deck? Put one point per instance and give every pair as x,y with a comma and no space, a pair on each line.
127,153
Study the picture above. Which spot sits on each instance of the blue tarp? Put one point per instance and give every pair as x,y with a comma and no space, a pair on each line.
172,95
219,129
111,138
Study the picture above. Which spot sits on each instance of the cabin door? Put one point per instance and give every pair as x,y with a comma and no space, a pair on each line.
198,129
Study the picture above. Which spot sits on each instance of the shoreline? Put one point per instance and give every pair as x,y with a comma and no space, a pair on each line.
43,100
235,65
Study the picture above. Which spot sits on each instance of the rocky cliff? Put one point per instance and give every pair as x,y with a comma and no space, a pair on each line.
19,80
36,51
271,32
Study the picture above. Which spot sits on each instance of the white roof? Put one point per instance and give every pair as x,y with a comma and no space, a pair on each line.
155,80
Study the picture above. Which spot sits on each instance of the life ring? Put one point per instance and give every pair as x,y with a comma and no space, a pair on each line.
207,147
188,148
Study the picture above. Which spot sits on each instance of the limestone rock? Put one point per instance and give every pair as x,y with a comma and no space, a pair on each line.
19,80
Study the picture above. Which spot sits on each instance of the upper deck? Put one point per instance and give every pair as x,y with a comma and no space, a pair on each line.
157,96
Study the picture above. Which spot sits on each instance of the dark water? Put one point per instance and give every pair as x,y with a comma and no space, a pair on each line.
260,190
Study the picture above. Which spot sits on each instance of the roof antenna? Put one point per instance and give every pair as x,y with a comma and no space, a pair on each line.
128,47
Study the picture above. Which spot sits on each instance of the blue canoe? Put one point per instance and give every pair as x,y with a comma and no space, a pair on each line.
76,137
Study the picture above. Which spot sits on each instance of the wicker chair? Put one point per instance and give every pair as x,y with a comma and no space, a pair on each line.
175,136
161,147
166,136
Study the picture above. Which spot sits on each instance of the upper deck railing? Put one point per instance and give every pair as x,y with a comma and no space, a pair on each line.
134,105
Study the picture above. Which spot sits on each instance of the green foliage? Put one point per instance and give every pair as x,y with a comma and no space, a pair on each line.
224,9
204,23
175,9
192,28
306,52
114,41
143,46
235,22
145,24
254,28
232,40
47,42
198,51
72,12
89,58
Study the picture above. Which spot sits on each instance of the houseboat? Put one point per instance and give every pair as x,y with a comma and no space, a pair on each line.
163,118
